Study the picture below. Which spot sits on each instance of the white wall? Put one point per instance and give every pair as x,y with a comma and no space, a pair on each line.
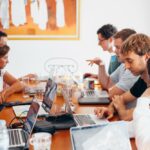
29,56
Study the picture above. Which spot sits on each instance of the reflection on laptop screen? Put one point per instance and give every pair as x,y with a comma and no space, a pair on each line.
50,91
31,117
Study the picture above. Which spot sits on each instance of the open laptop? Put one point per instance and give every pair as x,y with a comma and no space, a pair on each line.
94,97
84,119
45,105
19,137
99,136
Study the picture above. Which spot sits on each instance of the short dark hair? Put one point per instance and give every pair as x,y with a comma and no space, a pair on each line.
4,50
124,34
3,34
107,31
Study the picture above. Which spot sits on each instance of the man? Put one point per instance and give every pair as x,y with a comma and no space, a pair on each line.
105,38
121,80
135,52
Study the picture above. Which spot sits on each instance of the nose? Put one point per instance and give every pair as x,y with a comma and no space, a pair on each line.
127,65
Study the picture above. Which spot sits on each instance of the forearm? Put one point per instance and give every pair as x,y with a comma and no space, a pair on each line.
126,114
103,77
128,97
16,87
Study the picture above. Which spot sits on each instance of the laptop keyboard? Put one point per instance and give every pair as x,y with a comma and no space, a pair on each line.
84,120
16,137
90,93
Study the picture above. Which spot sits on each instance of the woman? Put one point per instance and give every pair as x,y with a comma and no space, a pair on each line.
13,85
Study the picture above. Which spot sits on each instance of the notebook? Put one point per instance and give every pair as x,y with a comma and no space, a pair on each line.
94,97
19,137
45,105
84,119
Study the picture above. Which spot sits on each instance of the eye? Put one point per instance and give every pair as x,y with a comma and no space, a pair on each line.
130,61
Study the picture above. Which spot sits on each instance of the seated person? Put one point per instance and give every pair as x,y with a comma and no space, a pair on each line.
135,52
3,41
105,38
121,80
6,78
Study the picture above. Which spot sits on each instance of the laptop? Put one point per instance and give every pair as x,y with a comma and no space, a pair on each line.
19,137
99,136
84,119
45,105
94,97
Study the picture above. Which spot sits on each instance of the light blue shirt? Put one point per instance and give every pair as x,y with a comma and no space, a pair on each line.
123,78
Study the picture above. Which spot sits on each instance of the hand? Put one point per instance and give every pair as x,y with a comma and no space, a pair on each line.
118,102
102,112
96,61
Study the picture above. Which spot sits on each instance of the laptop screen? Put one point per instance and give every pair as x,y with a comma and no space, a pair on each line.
49,95
31,117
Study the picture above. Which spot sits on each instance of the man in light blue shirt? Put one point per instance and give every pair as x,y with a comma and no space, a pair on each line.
121,80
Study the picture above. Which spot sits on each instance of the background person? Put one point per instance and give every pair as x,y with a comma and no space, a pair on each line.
105,40
6,78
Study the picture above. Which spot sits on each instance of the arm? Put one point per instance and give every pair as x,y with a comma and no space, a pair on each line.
103,78
119,104
114,90
146,93
14,85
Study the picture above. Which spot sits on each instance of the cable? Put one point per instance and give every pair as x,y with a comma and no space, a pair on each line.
21,122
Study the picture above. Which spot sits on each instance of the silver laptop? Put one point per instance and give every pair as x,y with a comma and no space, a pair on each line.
45,105
98,136
84,119
94,97
19,137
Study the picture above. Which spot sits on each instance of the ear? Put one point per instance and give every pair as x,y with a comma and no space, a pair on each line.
111,39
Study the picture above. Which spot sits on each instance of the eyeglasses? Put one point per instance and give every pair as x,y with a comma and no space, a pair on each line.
101,40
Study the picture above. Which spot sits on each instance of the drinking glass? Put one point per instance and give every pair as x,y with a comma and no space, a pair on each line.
41,141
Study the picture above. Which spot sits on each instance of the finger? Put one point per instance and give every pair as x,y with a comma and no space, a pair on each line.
101,113
109,116
96,111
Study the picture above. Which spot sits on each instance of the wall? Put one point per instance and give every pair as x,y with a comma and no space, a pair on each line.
30,56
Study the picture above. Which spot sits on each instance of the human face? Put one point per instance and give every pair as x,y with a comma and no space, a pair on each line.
3,41
135,63
104,43
118,43
3,61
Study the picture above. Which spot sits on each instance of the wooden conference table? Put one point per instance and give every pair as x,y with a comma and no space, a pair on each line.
60,140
